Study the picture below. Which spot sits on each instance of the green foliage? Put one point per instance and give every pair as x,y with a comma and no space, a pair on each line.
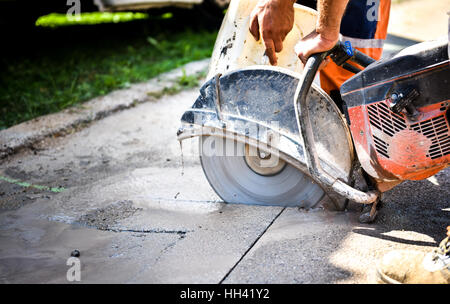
189,81
183,82
167,15
38,85
57,20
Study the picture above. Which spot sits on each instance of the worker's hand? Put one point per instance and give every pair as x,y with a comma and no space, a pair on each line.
274,20
315,43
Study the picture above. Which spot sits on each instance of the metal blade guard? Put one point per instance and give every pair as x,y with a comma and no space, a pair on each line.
255,107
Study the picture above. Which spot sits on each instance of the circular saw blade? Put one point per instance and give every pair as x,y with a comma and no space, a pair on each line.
235,182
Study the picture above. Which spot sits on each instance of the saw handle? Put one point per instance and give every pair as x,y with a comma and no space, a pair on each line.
328,182
340,54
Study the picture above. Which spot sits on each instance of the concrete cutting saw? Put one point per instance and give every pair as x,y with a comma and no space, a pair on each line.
271,136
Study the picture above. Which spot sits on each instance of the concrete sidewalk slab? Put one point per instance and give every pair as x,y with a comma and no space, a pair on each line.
126,206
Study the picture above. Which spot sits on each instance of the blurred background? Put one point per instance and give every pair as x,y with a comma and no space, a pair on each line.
51,61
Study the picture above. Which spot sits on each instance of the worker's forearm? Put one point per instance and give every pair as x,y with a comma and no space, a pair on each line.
330,16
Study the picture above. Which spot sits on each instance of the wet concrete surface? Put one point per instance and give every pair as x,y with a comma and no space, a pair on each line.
128,206
138,216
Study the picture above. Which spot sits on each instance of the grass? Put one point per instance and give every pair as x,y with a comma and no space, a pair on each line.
67,73
58,20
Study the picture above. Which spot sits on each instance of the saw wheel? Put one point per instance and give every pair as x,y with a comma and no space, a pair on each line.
241,178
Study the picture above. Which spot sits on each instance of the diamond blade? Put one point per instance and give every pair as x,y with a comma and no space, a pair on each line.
236,182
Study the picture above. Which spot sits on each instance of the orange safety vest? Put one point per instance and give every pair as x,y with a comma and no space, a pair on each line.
365,25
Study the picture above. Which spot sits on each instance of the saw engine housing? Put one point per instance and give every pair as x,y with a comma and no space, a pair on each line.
398,112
